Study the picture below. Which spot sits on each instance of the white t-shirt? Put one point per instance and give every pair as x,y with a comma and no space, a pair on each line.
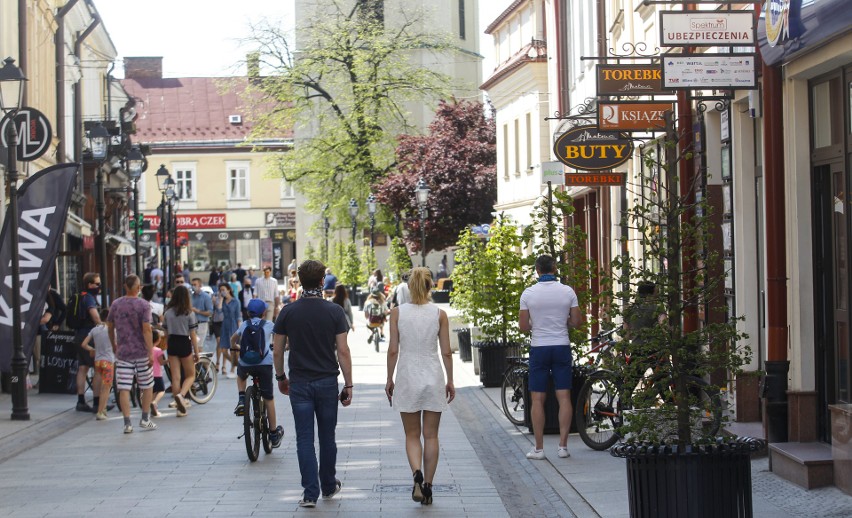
549,304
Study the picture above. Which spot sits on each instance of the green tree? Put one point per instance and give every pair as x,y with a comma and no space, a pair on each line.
368,261
467,277
502,282
399,261
350,272
346,88
310,252
335,261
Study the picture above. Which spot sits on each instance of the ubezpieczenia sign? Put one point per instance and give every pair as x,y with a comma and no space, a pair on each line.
587,148
692,28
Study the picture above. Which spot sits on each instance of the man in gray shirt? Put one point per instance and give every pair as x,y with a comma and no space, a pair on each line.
202,306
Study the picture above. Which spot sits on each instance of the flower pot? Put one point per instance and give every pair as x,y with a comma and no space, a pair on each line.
492,360
705,481
551,405
464,344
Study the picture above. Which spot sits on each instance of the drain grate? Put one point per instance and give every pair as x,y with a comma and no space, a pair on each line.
406,488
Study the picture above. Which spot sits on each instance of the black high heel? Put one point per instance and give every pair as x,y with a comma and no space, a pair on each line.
427,494
417,490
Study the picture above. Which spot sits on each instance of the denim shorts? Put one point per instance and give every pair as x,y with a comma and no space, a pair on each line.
555,360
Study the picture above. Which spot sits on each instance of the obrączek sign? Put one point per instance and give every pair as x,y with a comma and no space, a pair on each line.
588,148
710,71
707,28
632,116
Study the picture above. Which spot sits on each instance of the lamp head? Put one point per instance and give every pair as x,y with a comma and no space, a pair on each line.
162,175
170,188
371,204
136,163
11,86
353,208
98,141
422,192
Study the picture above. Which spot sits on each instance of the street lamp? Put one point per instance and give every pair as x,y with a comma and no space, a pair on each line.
353,214
422,194
371,208
325,226
168,256
11,97
136,165
163,180
98,138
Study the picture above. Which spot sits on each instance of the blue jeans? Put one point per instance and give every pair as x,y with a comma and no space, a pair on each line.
308,399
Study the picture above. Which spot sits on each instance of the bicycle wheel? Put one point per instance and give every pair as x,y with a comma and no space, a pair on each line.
512,394
264,427
206,381
251,429
598,414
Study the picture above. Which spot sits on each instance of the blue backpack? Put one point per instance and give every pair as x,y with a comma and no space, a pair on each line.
253,346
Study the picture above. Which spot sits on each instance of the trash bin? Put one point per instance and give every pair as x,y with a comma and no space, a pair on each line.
492,360
362,298
464,344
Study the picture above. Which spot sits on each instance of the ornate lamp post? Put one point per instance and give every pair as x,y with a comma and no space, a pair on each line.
11,97
168,270
371,209
163,178
136,165
99,144
422,194
353,215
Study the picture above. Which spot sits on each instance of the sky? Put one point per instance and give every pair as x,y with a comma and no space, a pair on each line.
201,38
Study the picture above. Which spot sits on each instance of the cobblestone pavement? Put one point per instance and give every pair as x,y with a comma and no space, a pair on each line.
797,501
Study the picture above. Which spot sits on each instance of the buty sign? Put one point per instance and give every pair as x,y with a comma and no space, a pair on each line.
632,116
630,80
587,148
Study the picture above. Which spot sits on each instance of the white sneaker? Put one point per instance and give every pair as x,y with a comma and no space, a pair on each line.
147,425
535,454
562,452
128,428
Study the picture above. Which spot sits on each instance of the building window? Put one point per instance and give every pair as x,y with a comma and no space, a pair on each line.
517,147
506,151
287,190
238,180
185,181
461,19
529,143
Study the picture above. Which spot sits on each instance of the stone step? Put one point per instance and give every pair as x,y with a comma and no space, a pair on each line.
808,464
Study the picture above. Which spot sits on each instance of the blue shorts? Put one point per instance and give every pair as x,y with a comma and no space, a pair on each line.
549,360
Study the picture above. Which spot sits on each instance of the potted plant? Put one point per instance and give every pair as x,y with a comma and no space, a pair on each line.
676,463
466,284
350,271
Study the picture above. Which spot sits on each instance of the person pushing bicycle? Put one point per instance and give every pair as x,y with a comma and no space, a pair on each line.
262,369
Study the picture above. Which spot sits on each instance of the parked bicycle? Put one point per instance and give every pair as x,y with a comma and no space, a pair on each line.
255,422
603,402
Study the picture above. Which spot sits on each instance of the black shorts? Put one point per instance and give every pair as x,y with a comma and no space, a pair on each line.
180,346
84,358
264,374
216,328
159,386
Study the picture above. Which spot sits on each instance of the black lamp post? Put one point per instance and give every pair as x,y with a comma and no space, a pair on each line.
174,250
371,209
168,254
11,97
353,215
325,226
163,177
98,145
136,165
422,194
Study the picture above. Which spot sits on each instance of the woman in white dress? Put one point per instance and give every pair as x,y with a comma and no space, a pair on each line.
420,392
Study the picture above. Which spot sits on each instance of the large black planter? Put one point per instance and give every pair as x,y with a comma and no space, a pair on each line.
551,405
464,344
705,481
492,361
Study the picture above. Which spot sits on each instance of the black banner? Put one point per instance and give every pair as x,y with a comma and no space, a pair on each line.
43,201
58,369
277,259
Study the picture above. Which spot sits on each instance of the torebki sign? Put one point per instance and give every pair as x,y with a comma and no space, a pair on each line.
707,28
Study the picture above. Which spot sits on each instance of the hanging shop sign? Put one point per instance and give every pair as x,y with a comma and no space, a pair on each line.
193,221
281,219
630,80
587,148
632,116
594,179
34,134
710,71
553,172
808,23
697,28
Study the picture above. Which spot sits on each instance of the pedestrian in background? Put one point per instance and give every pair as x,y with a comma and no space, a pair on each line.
180,324
549,309
202,306
328,284
293,286
266,289
101,350
316,332
420,392
129,324
230,322
213,280
246,295
88,317
235,285
159,340
251,276
341,298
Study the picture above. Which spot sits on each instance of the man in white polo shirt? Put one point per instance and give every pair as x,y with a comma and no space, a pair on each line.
266,289
549,309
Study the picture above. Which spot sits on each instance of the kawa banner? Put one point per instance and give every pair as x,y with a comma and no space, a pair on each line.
43,201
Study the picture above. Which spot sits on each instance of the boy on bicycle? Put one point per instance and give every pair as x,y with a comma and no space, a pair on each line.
376,311
262,370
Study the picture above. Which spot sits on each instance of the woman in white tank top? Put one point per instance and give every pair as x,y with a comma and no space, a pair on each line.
420,391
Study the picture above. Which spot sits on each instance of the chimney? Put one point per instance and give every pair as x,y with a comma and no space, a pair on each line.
253,65
143,67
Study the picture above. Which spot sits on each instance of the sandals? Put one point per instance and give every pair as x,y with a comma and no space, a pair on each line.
427,494
417,490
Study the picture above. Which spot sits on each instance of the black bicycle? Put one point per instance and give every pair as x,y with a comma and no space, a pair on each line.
255,421
512,392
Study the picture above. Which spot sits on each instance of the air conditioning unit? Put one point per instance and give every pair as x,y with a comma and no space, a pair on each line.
235,119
